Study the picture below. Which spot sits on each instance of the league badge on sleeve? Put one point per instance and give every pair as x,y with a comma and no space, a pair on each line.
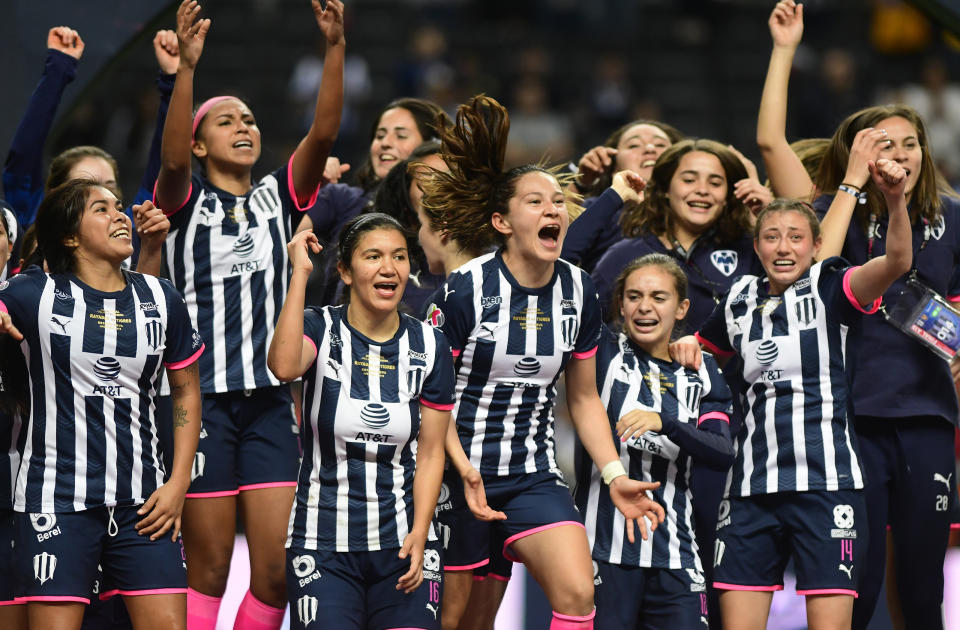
435,316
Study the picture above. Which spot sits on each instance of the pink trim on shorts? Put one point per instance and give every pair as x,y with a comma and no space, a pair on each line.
712,347
11,602
466,567
871,308
563,617
269,484
713,415
585,355
310,341
212,495
827,591
178,208
293,191
148,591
498,577
437,406
530,532
455,352
952,525
3,307
723,586
52,598
179,365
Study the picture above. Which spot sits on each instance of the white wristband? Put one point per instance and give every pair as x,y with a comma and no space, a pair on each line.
612,470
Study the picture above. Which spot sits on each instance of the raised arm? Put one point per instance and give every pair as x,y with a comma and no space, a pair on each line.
312,152
290,354
870,281
627,188
787,176
23,170
173,181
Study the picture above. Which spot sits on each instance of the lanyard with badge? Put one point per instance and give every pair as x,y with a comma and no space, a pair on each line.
919,311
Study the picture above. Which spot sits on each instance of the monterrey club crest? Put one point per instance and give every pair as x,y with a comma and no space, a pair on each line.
725,260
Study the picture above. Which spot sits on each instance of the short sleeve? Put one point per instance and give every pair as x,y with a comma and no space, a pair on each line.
833,286
20,295
184,344
713,332
717,403
452,311
607,351
590,321
314,327
439,386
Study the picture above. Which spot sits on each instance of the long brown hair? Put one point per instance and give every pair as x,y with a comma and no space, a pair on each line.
463,200
925,200
654,216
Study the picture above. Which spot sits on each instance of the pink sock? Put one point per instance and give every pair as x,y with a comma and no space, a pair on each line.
201,610
572,622
255,615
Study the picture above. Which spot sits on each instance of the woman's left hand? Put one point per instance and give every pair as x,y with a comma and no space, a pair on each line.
299,248
330,20
152,224
413,546
162,511
754,195
637,422
686,351
630,497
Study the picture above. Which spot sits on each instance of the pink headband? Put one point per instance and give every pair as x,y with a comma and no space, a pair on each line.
204,108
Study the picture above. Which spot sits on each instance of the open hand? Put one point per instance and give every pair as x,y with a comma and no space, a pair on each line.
786,24
162,511
630,497
330,21
191,32
477,498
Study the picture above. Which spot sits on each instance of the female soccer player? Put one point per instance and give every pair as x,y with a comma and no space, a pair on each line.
666,416
796,487
378,390
516,319
906,406
226,252
90,488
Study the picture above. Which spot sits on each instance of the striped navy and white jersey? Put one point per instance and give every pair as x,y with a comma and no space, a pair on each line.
361,418
227,255
94,361
797,370
512,344
694,408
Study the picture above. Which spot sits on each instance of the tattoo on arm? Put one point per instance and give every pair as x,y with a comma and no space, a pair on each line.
180,417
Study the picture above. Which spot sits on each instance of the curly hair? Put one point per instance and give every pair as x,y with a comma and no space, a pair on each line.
654,215
463,200
926,197
606,178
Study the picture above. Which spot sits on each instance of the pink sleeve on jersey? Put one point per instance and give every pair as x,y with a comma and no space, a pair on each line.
953,298
182,203
310,341
292,190
869,309
179,365
585,355
437,406
713,415
3,307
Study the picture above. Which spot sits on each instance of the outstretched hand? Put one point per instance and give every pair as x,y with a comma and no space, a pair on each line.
630,497
191,32
167,51
889,177
593,164
330,20
66,40
299,248
786,24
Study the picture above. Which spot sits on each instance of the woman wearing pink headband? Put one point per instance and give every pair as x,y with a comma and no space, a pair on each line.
226,253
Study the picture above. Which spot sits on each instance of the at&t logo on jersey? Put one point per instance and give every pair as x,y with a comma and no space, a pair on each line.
843,521
305,569
244,245
44,565
435,316
45,525
767,354
375,416
527,367
107,369
725,260
307,609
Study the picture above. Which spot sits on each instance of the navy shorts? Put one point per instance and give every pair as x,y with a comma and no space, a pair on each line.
824,532
8,575
248,441
357,590
649,598
499,568
58,556
532,502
